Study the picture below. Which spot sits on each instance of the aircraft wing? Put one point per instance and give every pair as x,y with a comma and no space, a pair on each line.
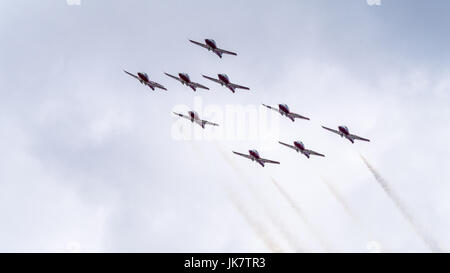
270,107
132,75
288,145
358,138
314,153
205,122
244,155
173,77
155,84
183,116
238,86
199,44
298,116
197,85
212,79
332,130
226,52
268,161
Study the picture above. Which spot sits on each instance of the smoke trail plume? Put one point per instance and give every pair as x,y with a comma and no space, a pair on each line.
348,210
340,199
291,239
429,241
302,215
257,226
259,229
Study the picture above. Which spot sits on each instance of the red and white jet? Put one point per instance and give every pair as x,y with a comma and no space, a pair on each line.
185,79
210,44
344,132
253,155
224,80
283,109
193,117
300,147
143,78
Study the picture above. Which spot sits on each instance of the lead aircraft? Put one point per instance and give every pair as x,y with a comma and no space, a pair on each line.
210,44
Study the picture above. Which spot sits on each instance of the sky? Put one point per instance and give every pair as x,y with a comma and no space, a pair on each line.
93,161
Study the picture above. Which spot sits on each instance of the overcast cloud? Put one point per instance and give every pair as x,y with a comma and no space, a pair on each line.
89,160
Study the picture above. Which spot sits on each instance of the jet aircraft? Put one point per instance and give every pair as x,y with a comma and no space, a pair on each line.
253,155
223,80
283,109
210,44
344,132
193,117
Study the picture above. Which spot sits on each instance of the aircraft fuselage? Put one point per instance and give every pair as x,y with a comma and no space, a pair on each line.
212,46
184,77
344,130
254,154
224,79
299,145
211,43
143,76
283,108
193,115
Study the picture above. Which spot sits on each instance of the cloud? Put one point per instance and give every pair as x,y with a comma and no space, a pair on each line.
87,153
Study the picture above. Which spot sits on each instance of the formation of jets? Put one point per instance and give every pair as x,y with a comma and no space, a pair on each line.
224,80
185,79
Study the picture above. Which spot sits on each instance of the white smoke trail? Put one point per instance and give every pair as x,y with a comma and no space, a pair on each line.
349,211
257,226
291,239
340,199
302,215
427,238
